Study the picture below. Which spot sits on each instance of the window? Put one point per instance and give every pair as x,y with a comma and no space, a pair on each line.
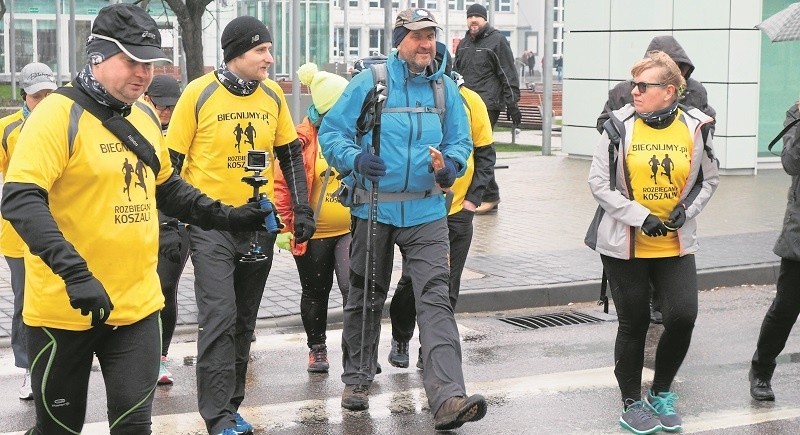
375,41
353,3
46,42
23,42
502,6
431,4
558,28
355,38
456,5
381,3
2,47
338,42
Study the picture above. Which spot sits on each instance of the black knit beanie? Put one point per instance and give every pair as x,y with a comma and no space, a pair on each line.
242,34
479,10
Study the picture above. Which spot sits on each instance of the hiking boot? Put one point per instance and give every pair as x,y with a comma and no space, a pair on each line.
487,207
398,356
663,406
25,391
638,419
318,359
458,410
760,388
164,375
420,364
355,397
242,426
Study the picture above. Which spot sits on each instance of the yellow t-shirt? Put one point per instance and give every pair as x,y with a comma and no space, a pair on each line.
334,218
11,244
214,129
103,201
658,162
481,131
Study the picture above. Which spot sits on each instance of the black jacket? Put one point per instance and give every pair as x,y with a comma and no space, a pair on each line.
487,64
694,95
788,243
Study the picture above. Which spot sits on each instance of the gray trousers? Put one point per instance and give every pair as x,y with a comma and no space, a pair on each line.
18,329
228,293
425,249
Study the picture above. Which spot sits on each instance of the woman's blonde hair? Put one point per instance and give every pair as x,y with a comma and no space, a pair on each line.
670,72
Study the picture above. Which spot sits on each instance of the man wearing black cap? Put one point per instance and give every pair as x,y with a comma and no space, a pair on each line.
92,245
485,59
163,94
203,130
411,213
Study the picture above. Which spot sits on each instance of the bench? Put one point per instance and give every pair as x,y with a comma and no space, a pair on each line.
531,117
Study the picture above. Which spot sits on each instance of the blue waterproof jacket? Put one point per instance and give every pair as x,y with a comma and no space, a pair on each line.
405,138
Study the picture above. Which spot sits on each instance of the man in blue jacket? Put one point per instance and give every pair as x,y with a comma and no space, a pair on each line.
411,213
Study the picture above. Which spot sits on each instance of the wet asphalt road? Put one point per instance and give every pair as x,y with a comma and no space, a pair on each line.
551,381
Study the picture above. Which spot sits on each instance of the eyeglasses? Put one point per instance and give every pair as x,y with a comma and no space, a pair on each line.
642,86
160,108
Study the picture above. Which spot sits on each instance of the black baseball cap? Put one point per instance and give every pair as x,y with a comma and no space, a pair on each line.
127,28
164,90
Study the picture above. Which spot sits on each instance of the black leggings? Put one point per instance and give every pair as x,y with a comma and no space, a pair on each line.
316,267
675,280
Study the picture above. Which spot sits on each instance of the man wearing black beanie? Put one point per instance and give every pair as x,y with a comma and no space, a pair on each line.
485,59
206,131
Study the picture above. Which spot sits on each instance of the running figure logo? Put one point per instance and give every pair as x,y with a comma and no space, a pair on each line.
141,173
237,133
666,164
250,135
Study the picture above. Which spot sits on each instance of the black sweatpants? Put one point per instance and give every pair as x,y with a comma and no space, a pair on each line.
492,192
316,268
169,273
779,320
61,362
402,310
675,280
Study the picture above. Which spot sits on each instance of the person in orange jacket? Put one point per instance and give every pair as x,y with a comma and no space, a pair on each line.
328,250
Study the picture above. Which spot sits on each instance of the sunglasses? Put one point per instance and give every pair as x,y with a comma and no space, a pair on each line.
642,86
172,107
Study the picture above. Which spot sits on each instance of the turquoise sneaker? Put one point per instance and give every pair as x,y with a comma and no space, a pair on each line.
242,426
638,419
663,406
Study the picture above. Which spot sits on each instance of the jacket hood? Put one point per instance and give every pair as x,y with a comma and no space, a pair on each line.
670,45
443,59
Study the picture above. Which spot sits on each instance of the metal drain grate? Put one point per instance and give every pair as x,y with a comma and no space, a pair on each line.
550,320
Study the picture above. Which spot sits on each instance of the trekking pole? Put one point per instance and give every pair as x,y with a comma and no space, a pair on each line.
365,363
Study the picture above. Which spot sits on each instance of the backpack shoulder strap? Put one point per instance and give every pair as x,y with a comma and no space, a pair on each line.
439,97
613,146
115,123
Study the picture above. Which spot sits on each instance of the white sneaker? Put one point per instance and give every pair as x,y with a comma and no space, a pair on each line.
164,375
25,391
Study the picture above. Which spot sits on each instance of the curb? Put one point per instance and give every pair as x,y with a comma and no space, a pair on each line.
512,298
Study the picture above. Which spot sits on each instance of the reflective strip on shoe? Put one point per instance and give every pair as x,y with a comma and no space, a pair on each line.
638,419
663,406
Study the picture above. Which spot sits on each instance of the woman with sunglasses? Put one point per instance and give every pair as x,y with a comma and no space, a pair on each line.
645,230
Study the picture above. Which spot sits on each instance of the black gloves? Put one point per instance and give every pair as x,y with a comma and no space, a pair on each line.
653,226
513,114
677,218
370,166
169,242
447,175
89,296
248,217
304,225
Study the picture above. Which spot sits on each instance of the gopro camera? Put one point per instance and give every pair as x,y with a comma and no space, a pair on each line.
256,160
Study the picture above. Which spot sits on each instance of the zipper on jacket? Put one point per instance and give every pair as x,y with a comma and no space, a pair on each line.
419,122
408,145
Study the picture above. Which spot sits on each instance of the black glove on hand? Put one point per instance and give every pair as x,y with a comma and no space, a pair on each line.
304,225
653,226
447,175
676,219
169,242
248,217
513,114
370,166
89,296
